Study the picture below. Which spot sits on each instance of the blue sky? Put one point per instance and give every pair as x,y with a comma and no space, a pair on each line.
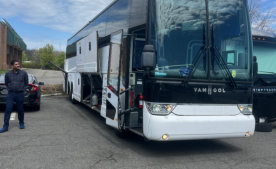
40,22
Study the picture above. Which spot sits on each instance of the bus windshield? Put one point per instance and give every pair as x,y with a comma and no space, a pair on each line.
181,38
266,56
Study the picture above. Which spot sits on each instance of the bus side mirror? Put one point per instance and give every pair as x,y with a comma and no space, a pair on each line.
148,57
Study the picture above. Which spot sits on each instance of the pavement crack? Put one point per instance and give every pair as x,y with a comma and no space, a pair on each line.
107,158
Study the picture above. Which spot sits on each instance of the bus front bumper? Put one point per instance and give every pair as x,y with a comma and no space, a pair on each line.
174,127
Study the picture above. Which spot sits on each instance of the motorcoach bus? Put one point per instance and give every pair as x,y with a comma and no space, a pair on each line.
166,69
265,80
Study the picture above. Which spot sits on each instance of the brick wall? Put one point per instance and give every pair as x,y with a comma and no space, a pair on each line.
3,47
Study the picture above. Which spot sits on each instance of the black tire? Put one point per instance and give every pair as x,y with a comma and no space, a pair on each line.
36,107
71,97
123,134
263,127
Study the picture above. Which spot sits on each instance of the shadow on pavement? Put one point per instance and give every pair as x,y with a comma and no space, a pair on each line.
176,148
158,149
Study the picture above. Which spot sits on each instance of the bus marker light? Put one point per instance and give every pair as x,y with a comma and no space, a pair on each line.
165,137
247,134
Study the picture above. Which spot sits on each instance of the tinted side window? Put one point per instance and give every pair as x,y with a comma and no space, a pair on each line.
71,50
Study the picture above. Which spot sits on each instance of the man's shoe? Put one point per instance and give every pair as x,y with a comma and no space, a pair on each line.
4,129
21,126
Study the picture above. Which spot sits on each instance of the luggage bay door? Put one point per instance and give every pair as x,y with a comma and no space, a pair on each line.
113,80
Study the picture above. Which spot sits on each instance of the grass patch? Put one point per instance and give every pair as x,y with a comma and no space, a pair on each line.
51,89
3,71
31,65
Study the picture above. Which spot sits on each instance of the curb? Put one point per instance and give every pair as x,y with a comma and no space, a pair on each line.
55,94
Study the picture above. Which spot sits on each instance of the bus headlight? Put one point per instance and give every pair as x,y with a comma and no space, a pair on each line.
160,109
245,109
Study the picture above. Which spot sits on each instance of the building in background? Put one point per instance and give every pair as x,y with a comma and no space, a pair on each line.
11,45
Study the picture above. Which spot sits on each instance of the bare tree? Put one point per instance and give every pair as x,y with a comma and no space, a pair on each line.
261,19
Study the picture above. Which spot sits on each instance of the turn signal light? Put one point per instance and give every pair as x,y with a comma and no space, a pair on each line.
247,134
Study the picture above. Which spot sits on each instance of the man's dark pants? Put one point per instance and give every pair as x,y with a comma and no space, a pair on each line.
12,98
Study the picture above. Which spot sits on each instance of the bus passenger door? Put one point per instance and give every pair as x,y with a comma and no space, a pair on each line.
113,80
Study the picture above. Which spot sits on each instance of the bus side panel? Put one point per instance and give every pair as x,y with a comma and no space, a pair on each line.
76,79
70,64
87,50
104,96
103,68
70,67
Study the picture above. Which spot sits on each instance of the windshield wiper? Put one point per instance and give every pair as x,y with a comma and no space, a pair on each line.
268,72
199,54
174,66
221,62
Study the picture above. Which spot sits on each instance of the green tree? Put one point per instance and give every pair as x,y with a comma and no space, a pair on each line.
47,55
24,56
59,60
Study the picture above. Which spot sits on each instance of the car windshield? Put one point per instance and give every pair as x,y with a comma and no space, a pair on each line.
180,36
2,78
31,79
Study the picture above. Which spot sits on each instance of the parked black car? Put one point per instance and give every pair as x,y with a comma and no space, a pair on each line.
32,92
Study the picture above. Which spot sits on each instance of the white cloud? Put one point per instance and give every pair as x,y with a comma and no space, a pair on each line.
64,15
59,15
190,15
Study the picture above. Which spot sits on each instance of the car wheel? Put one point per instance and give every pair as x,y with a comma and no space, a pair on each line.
37,107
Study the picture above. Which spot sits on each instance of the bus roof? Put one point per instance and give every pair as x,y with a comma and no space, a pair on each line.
261,33
114,1
119,15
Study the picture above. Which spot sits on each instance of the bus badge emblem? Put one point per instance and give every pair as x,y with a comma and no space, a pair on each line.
209,90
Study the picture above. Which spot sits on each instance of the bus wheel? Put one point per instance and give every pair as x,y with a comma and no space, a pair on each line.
263,127
123,133
69,94
71,97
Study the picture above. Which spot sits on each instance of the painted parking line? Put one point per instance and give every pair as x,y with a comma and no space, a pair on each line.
13,116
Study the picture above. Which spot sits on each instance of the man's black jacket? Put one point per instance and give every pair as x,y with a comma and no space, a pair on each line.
16,81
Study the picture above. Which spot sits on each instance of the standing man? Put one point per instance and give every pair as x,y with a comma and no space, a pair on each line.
16,80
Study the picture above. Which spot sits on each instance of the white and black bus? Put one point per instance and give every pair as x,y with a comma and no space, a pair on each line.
264,91
166,69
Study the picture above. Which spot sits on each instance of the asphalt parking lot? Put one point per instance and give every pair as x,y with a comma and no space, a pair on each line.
66,136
